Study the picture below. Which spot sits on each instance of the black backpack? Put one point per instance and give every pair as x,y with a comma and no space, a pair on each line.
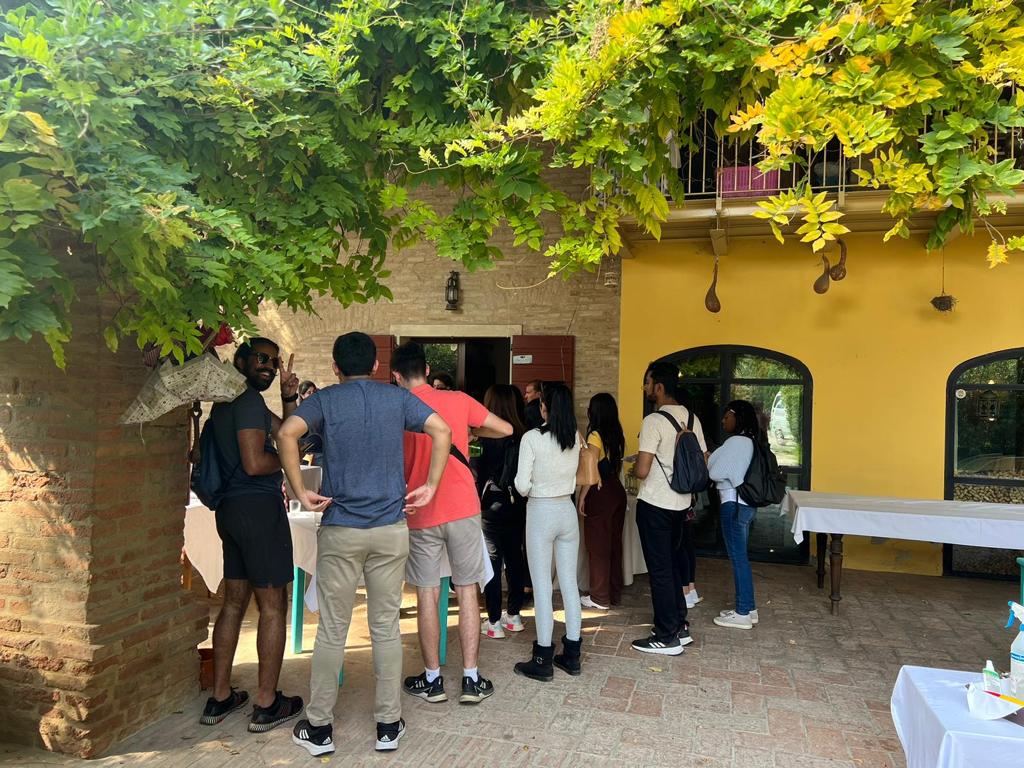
207,478
689,467
500,490
764,483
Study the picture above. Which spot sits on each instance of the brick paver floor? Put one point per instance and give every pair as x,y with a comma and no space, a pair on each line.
803,690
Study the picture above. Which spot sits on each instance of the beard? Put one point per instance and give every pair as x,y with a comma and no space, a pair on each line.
259,382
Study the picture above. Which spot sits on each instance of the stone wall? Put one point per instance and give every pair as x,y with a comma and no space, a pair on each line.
514,293
97,637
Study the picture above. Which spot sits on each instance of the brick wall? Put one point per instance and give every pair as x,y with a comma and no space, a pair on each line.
97,638
514,293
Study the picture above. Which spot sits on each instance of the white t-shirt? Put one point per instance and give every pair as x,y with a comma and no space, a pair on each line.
658,436
545,471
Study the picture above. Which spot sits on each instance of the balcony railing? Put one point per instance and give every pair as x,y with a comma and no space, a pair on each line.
713,168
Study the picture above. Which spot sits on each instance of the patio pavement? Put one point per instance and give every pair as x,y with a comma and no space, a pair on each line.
803,690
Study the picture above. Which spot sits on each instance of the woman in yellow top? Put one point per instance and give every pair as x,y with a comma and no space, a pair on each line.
603,506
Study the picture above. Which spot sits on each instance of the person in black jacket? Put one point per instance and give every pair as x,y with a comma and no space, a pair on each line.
534,390
503,512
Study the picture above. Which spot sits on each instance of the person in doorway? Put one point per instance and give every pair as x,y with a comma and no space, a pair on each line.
363,532
442,380
660,511
503,511
253,527
548,459
532,394
603,507
727,466
451,522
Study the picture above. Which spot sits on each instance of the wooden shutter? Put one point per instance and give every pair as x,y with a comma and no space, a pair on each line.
553,358
385,346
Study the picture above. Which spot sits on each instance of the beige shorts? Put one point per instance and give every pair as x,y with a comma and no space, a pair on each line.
461,538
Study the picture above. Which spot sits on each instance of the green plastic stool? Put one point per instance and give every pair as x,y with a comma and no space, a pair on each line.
299,583
1020,562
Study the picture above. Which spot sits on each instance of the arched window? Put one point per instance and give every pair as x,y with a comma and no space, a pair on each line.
780,387
985,448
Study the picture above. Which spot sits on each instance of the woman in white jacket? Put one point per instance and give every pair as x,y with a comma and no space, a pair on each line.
548,457
727,466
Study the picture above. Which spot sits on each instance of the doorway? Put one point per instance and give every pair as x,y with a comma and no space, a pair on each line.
780,388
475,364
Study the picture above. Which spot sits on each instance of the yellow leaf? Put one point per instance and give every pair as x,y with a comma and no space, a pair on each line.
39,122
997,254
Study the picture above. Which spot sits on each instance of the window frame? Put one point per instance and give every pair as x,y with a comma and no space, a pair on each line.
950,478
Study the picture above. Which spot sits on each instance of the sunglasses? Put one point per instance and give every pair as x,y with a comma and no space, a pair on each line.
263,358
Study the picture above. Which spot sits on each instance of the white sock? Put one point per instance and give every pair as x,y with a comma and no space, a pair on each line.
432,674
473,673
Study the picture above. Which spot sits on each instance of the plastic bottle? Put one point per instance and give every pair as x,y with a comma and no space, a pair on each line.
990,678
1017,648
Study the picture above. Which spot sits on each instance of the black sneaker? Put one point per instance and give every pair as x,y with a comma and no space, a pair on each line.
283,709
684,635
388,735
215,711
664,647
316,739
417,685
475,691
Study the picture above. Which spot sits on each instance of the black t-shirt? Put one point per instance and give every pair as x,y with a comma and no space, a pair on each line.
247,411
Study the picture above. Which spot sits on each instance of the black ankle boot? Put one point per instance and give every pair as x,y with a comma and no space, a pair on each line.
569,659
538,667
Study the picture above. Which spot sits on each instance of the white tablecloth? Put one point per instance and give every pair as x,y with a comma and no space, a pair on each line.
204,549
944,522
929,710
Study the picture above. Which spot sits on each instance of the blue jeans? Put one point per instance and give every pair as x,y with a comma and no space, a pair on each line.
736,520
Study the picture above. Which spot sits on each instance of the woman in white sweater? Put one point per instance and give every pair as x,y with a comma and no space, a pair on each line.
548,458
727,466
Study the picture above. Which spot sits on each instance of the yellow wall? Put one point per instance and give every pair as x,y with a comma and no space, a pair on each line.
879,354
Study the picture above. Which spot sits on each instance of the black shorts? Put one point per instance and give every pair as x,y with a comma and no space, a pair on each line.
257,539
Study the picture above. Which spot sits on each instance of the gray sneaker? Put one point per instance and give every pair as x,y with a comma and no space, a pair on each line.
752,614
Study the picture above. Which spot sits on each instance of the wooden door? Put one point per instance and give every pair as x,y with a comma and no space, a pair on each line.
385,346
548,358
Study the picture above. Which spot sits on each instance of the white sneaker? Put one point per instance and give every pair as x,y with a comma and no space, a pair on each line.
491,630
586,602
735,620
752,614
511,623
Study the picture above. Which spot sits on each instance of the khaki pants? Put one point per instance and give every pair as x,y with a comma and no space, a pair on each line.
343,554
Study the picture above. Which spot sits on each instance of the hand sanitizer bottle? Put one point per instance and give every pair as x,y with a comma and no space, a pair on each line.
1017,649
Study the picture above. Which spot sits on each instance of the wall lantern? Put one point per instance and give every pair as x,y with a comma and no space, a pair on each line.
451,291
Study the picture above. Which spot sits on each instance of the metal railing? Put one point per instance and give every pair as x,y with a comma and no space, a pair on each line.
715,168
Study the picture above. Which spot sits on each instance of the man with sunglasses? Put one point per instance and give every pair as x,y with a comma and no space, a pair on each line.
253,526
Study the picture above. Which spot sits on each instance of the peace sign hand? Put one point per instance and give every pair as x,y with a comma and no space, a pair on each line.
289,380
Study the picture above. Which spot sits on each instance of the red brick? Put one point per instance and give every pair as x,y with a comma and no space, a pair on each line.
65,621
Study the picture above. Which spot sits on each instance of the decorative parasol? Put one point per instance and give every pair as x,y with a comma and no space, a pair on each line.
203,378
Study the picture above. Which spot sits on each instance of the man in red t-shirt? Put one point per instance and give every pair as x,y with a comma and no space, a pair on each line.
450,522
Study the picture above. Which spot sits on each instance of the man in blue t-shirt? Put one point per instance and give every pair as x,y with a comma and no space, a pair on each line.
363,532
